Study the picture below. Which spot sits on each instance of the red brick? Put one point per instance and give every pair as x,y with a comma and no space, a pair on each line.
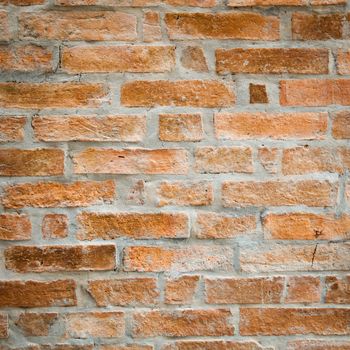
181,290
51,95
337,290
341,125
12,128
195,93
303,289
272,61
15,227
127,128
275,321
193,58
131,161
151,27
77,25
318,345
278,126
343,61
55,194
37,293
60,258
214,322
123,292
179,259
214,345
4,26
54,226
4,333
262,290
269,159
136,59
244,25
36,324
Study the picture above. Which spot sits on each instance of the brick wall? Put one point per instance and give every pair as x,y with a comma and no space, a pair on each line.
175,174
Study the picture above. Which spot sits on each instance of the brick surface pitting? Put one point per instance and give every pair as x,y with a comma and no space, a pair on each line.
174,174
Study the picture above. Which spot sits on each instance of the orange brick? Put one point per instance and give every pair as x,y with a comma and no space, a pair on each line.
245,3
55,194
341,125
179,259
132,3
318,345
127,128
60,258
214,322
11,128
4,333
343,61
122,292
34,162
132,225
258,93
269,159
195,93
15,227
337,290
54,226
245,25
192,3
136,59
193,58
214,345
278,126
131,161
36,324
152,30
181,290
272,61
4,26
303,289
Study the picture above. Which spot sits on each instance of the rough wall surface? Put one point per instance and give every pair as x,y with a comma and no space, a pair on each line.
175,174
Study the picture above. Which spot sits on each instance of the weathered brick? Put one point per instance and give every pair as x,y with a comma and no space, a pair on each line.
122,292
279,126
214,345
12,128
180,127
37,293
137,193
136,59
4,333
195,93
181,290
318,345
306,226
244,25
289,321
151,28
54,226
244,3
337,290
22,2
303,289
15,227
51,95
131,161
125,347
77,25
261,290
192,3
258,93
132,225
178,259
269,159
5,34
343,62
33,162
341,125
223,160
272,61
60,258
55,194
214,322
36,324
314,193
193,58
185,193
216,226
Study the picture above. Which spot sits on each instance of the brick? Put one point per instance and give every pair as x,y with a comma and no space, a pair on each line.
36,324
191,3
126,128
195,93
77,25
4,333
132,3
60,258
276,257
308,26
258,94
51,95
318,345
341,125
55,194
181,193
5,34
245,26
303,289
193,58
306,226
214,322
131,161
22,2
123,292
137,193
217,226
261,290
214,345
327,2
277,126
105,59
26,58
151,28
313,193
132,225
54,226
272,61
315,92
15,227
337,290
245,3
180,127
289,321
33,162
12,128
38,293
181,290
125,347
343,62
178,259
95,324
223,160
269,159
